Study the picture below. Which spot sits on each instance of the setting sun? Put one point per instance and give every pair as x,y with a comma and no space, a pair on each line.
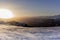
5,13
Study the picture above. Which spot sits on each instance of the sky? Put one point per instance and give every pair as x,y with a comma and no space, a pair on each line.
32,7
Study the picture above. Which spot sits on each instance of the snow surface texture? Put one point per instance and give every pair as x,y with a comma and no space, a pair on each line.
8,32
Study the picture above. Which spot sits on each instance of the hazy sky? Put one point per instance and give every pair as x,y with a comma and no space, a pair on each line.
32,7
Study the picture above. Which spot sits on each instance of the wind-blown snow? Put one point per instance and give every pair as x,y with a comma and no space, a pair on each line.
8,32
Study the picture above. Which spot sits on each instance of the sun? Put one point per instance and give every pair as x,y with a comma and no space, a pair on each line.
5,13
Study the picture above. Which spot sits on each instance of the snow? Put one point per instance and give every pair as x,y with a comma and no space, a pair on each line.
8,32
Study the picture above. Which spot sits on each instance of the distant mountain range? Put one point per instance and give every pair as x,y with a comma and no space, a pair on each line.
42,21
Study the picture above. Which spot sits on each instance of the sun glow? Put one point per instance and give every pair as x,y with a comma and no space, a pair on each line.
5,13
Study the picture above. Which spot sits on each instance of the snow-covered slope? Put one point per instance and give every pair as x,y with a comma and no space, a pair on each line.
8,32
